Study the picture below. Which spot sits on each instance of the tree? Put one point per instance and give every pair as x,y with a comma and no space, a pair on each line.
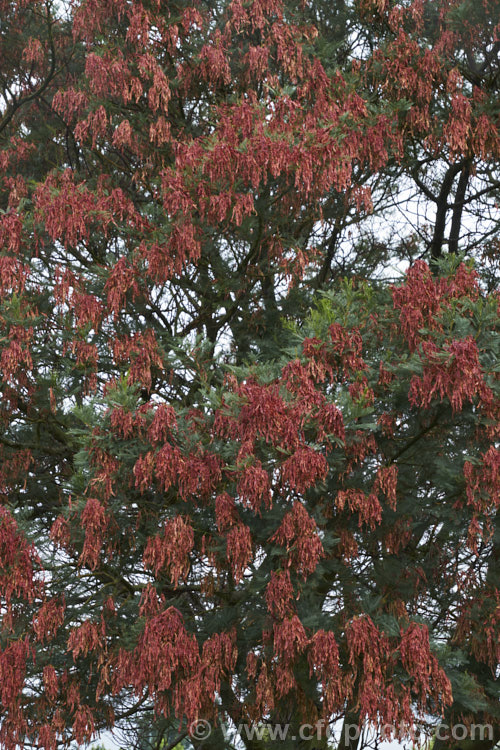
211,493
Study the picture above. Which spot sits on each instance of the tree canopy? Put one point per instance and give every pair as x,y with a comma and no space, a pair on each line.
249,464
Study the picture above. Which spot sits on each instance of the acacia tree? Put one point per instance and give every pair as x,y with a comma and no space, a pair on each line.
210,509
